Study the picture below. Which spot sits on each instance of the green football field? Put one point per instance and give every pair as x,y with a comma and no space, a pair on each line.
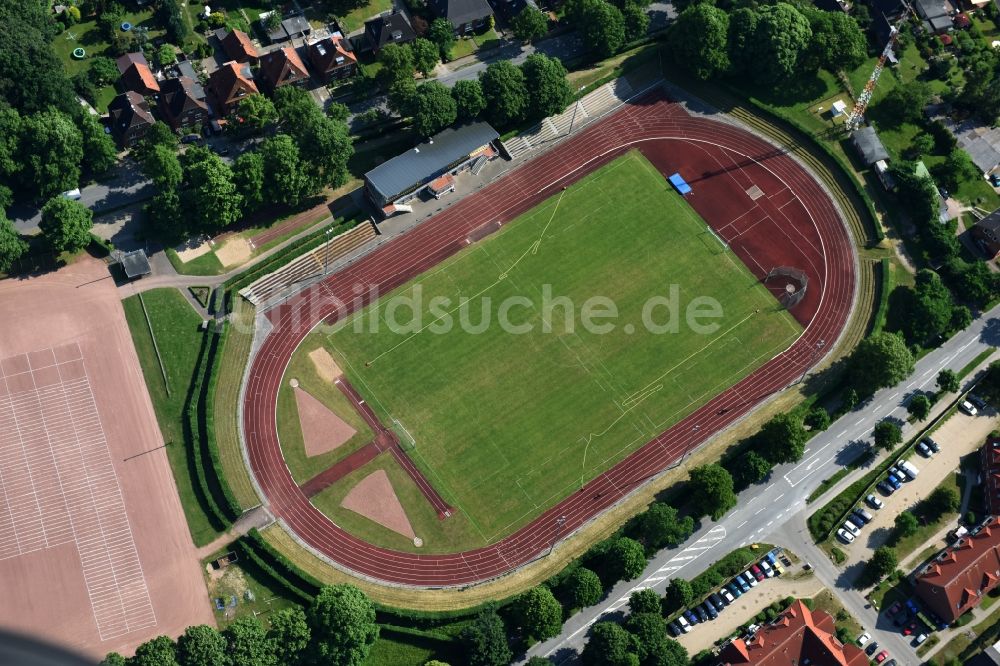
507,422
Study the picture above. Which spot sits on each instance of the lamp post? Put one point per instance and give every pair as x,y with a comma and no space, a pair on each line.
560,521
326,252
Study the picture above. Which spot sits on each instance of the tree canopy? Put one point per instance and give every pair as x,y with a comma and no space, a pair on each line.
947,381
609,645
698,40
919,407
783,439
625,559
343,625
660,526
582,588
600,24
200,645
425,55
679,594
883,561
469,100
12,246
538,613
66,224
397,63
442,33
837,42
712,490
484,641
887,434
256,112
780,41
433,108
505,92
645,600
530,24
289,635
880,360
906,524
548,90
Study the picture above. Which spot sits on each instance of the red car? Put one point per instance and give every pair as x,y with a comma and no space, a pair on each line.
881,656
757,572
911,628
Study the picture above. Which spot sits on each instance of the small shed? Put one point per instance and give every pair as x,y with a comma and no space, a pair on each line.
135,264
838,108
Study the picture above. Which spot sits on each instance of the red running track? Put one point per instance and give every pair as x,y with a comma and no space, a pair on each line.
795,224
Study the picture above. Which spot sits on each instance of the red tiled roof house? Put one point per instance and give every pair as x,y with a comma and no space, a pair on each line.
136,75
179,103
958,578
332,58
798,636
237,46
282,67
228,85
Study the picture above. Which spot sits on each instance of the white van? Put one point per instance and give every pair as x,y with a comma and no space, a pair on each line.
910,470
73,195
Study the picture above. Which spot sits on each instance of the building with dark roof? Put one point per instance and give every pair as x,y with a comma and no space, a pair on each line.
136,75
237,45
508,9
282,67
796,637
135,264
936,14
464,15
404,176
180,105
130,118
228,85
390,28
986,233
990,454
333,57
868,146
962,574
293,27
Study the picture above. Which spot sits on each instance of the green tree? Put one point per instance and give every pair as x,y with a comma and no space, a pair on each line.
887,434
294,107
52,150
425,55
169,16
159,134
256,112
711,490
66,224
163,168
660,526
837,42
434,108
783,439
957,168
12,246
326,145
272,21
166,55
99,151
929,313
397,63
625,559
973,280
753,468
944,500
882,563
600,24
906,524
164,214
609,645
159,651
11,128
248,175
210,199
818,418
505,92
741,40
343,625
530,24
443,34
698,40
582,588
548,90
645,600
337,111
289,635
103,71
200,645
538,613
284,179
247,644
636,19
947,381
484,641
672,654
32,77
780,41
113,659
469,100
679,594
880,360
905,103
403,97
649,633
919,407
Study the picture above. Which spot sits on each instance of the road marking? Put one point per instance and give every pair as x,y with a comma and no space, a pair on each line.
779,497
962,348
893,396
760,510
769,523
842,433
859,421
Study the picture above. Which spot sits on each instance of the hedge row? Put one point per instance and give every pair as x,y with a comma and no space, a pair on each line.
882,295
206,409
249,548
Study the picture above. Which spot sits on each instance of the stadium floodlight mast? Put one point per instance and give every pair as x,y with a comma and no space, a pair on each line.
326,251
858,113
560,521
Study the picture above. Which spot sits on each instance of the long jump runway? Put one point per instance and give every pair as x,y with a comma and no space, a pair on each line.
59,485
734,175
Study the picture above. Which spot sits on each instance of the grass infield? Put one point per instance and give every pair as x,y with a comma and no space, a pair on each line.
505,424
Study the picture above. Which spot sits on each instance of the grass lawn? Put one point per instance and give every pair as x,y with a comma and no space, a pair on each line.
403,650
234,581
86,34
825,601
356,18
507,424
486,40
964,647
176,327
439,536
301,368
907,545
206,264
462,48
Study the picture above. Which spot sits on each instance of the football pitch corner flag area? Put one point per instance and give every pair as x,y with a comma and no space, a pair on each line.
537,358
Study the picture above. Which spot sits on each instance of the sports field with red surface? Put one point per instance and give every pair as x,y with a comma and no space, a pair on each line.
789,222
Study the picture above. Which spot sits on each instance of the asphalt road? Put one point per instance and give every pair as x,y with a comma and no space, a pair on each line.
776,512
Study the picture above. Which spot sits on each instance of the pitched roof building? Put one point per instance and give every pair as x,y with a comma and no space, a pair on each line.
180,103
798,636
292,27
237,45
136,75
986,233
282,67
228,85
990,452
961,575
333,57
868,145
464,15
390,28
130,118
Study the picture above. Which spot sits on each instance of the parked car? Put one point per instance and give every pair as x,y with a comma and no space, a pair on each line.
727,596
674,628
874,502
943,191
702,613
742,584
920,639
863,639
909,469
845,536
683,623
976,401
886,488
862,514
717,602
778,569
757,572
712,613
692,617
995,179
872,648
734,590
896,472
750,578
856,520
881,656
191,138
967,407
911,628
924,450
851,527
767,569
894,481
931,444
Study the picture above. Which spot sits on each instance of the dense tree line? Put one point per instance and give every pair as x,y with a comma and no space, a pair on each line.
337,629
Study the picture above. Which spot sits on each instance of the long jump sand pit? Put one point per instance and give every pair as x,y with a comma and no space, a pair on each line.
94,551
322,430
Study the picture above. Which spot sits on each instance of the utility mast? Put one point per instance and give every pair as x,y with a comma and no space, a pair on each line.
858,114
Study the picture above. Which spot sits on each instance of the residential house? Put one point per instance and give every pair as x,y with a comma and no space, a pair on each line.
391,28
129,118
180,104
936,14
293,27
986,233
333,57
237,45
136,75
959,578
990,453
465,16
228,85
796,637
868,146
282,67
508,9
